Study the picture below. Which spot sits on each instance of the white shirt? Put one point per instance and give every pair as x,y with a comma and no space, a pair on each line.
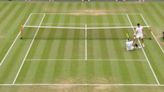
129,45
139,30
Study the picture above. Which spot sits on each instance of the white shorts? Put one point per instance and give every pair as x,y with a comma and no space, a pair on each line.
139,36
131,48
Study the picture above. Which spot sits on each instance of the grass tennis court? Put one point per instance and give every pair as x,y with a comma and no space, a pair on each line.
80,47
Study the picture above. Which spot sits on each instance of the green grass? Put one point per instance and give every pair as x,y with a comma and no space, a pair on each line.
70,44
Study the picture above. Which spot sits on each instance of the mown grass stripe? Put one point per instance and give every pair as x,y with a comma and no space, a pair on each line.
69,41
98,65
5,9
135,67
154,17
89,66
27,52
114,65
7,72
157,66
49,45
82,65
14,58
123,70
146,49
58,68
5,27
151,68
106,65
50,66
74,66
142,71
69,47
157,12
138,67
37,8
46,47
55,45
23,43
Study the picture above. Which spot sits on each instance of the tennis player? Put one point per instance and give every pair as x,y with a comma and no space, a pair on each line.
138,35
130,45
21,31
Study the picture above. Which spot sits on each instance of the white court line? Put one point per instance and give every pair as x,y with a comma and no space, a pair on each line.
28,50
86,45
76,12
82,23
131,60
154,74
78,27
27,20
88,85
87,13
153,34
8,51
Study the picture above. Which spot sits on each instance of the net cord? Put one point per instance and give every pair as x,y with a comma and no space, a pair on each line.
83,28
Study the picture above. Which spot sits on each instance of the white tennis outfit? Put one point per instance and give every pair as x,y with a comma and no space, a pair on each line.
139,33
129,45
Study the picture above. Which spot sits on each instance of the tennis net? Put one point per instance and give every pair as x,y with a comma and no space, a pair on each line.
81,32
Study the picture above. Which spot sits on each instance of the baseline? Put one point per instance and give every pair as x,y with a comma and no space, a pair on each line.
91,85
73,27
128,60
86,12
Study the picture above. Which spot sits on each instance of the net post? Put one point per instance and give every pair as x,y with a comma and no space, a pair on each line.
21,31
86,49
163,34
147,32
150,29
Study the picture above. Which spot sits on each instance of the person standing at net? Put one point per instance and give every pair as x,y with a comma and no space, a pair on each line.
139,34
